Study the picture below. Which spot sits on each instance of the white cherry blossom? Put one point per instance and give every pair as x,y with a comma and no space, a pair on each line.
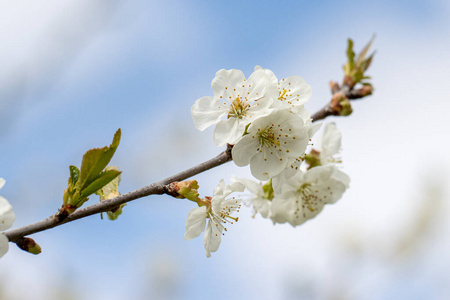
7,218
218,210
271,142
303,196
238,99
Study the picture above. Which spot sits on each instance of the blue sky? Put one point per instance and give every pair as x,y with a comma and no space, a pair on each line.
74,72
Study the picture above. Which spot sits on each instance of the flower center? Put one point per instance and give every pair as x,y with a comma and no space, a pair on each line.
268,190
223,216
308,196
282,95
238,109
267,137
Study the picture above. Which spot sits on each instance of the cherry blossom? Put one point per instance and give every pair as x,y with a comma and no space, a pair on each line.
304,195
218,210
238,99
271,142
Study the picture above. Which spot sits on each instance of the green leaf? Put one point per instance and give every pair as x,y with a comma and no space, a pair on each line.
95,160
367,62
103,179
357,75
350,55
110,188
363,53
74,174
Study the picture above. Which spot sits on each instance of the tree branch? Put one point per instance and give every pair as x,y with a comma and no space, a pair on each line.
158,188
155,188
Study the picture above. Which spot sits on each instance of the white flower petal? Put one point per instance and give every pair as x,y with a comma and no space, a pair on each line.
243,151
262,206
267,164
262,85
229,131
4,244
280,208
2,182
195,223
207,111
233,187
330,141
254,187
225,82
312,130
272,79
298,92
7,215
259,108
212,238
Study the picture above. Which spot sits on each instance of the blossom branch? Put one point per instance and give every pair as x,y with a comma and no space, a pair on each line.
288,90
157,188
152,189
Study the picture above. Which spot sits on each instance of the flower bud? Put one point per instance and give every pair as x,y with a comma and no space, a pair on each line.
29,245
334,87
183,190
341,105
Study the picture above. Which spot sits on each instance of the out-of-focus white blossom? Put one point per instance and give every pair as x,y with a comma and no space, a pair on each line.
7,218
303,196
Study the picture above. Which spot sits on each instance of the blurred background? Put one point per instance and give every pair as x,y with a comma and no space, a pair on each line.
72,72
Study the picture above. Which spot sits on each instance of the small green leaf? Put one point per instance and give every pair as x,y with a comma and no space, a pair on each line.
103,179
95,160
367,62
350,55
363,53
74,174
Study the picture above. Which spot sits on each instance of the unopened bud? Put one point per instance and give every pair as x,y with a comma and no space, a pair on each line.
334,87
361,93
366,90
348,81
341,105
183,190
29,245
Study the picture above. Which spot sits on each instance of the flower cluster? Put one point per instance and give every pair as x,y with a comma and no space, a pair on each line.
266,123
264,119
7,218
300,192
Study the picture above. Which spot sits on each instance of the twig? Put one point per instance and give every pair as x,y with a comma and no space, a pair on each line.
348,91
155,188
